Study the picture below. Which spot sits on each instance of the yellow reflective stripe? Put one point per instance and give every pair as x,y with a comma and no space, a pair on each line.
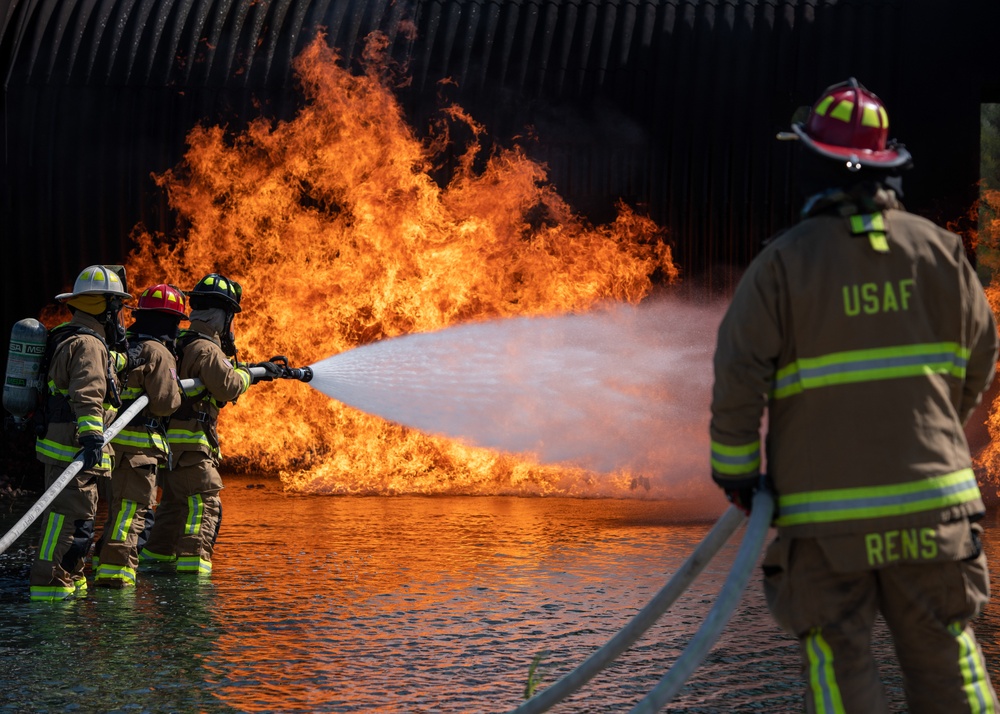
849,504
140,439
50,539
196,510
867,222
973,668
123,523
193,392
183,436
51,592
736,460
822,678
878,242
147,555
870,116
885,117
245,377
194,564
870,366
130,394
824,105
106,571
65,453
55,450
843,110
87,424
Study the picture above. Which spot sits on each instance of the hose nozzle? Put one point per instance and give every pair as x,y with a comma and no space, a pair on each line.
302,374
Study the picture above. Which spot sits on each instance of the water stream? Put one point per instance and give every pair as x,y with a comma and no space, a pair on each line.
624,388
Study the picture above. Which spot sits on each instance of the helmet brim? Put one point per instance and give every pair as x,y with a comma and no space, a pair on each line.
62,297
895,157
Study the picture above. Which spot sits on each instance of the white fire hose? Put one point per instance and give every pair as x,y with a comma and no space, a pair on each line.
74,468
708,633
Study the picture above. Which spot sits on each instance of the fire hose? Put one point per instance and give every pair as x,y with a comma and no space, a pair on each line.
706,636
303,374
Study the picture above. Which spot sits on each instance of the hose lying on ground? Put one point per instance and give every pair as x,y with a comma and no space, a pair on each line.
718,617
74,468
681,580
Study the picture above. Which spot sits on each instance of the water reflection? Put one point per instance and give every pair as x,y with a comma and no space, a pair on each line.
335,604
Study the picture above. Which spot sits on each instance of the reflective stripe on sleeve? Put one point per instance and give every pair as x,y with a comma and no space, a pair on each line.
736,460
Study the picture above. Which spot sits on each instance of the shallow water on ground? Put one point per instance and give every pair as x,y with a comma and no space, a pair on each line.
402,604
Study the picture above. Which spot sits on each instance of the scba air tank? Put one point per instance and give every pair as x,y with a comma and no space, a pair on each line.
24,360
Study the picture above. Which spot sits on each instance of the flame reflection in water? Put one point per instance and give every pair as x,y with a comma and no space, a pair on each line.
405,604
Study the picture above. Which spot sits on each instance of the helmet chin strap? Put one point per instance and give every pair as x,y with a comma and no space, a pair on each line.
227,338
114,330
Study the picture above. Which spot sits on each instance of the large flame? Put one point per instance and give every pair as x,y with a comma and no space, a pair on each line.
339,235
986,240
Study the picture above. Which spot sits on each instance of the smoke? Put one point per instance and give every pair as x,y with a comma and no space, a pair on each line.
622,388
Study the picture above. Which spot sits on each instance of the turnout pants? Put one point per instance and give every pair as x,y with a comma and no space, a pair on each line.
187,519
67,533
927,607
133,490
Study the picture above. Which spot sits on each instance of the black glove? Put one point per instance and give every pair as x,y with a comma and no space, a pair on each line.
93,450
742,498
272,371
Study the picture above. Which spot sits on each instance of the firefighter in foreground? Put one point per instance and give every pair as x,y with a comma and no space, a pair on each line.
187,518
141,447
865,333
84,358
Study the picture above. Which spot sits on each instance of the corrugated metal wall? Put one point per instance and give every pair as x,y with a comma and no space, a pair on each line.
668,104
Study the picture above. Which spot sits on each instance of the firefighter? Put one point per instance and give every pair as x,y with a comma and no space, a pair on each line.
187,518
84,357
865,333
141,448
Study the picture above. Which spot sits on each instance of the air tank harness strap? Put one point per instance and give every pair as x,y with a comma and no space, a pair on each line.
872,225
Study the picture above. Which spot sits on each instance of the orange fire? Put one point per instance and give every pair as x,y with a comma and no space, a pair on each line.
339,236
987,242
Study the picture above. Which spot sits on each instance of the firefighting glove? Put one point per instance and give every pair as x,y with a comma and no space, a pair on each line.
93,450
742,498
271,371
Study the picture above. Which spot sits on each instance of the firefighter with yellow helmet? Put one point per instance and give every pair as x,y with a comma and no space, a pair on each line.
865,333
141,447
81,378
189,513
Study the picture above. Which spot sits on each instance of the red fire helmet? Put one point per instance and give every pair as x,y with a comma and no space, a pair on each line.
850,124
162,298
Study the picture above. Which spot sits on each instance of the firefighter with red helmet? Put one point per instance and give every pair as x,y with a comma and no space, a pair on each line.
84,357
188,516
865,334
141,447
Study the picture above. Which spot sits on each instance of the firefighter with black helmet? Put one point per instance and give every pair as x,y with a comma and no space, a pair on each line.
141,447
84,358
865,334
187,518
